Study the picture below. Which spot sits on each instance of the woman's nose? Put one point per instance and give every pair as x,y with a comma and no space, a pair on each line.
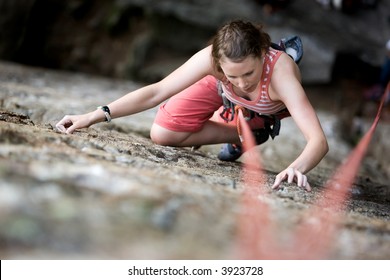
242,83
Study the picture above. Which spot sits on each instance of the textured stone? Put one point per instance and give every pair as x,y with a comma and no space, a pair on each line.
108,192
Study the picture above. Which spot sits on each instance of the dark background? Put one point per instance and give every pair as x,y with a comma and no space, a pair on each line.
145,40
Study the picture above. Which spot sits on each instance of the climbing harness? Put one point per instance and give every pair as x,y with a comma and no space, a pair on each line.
272,122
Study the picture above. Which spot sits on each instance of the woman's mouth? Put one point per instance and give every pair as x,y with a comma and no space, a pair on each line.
248,89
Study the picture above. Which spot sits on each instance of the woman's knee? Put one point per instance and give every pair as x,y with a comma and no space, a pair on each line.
164,137
158,138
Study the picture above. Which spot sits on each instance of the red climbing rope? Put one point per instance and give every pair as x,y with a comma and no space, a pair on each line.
324,218
256,237
244,114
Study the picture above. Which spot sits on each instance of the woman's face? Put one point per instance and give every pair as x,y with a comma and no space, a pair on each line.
245,74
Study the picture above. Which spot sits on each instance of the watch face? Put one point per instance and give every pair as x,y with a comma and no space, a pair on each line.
107,112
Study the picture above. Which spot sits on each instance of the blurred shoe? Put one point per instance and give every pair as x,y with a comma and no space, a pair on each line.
231,152
293,47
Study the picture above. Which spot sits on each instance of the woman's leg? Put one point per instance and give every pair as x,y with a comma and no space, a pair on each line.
185,119
211,133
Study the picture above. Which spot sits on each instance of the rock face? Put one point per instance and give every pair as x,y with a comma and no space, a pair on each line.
147,39
109,192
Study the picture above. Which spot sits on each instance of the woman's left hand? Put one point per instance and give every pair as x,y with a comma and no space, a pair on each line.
291,174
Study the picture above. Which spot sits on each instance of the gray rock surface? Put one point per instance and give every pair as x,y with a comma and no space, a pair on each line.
107,192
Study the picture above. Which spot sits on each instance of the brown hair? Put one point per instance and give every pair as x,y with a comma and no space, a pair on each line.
237,40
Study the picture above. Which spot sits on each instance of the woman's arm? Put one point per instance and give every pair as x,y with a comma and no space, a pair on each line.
198,66
286,86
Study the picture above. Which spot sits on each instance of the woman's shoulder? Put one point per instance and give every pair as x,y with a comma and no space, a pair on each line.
285,77
285,65
203,59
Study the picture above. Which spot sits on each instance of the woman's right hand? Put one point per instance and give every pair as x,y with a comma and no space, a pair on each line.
70,123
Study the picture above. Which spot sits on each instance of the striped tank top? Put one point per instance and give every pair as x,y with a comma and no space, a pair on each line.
262,105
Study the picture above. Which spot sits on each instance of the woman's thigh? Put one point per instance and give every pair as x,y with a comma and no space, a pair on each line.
190,109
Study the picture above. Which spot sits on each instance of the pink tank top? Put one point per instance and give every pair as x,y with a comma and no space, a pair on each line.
262,104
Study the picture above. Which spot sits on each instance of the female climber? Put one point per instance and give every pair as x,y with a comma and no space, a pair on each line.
241,68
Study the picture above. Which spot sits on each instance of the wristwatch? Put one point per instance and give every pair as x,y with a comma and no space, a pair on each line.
106,112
